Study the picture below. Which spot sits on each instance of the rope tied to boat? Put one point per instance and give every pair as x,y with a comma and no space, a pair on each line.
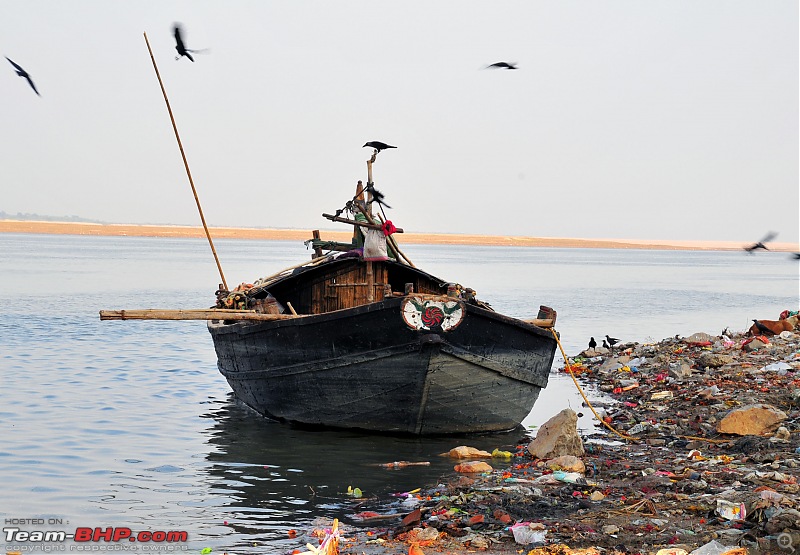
568,368
580,390
236,299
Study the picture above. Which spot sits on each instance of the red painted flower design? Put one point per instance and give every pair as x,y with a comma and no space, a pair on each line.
432,316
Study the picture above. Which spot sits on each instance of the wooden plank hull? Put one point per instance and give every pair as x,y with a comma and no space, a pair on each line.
366,368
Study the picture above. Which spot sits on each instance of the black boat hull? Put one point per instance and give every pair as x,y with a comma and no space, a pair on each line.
367,368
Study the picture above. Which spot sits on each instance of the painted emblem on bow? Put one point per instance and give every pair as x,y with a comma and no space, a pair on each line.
420,313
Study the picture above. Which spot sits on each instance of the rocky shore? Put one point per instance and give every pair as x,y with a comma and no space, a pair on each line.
696,450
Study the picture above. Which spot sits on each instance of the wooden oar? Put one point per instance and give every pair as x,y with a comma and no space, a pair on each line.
191,314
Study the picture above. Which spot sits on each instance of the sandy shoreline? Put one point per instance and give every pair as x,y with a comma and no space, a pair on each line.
73,228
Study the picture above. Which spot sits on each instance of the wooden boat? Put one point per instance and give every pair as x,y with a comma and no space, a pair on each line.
374,343
359,355
381,345
369,341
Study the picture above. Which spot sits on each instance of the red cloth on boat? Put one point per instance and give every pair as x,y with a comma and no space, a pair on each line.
388,228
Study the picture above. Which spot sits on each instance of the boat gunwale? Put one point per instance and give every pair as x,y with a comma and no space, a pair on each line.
251,326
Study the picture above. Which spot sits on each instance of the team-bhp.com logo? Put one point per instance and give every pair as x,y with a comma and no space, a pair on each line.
85,538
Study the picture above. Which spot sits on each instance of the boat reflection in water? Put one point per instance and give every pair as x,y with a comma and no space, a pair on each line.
276,477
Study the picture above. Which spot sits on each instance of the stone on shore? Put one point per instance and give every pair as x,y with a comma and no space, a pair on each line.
714,360
558,436
758,419
567,463
464,452
473,467
680,370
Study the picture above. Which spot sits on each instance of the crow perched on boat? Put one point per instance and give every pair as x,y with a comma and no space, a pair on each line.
612,340
179,46
22,73
377,145
502,65
760,244
592,343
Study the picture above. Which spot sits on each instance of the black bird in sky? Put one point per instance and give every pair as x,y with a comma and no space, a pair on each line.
179,46
22,73
796,255
612,340
760,245
377,145
502,65
592,343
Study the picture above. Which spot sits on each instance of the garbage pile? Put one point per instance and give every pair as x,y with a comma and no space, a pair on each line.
696,451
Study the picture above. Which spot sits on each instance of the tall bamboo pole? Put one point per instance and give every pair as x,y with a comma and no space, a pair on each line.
186,164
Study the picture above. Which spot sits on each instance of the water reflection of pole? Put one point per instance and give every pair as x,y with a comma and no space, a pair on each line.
186,165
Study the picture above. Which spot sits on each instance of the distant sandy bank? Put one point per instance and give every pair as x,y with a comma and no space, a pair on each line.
71,228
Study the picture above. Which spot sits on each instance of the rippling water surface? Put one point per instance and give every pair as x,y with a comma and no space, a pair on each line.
130,423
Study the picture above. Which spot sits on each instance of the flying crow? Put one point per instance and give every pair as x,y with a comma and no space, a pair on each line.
760,245
22,73
377,145
377,196
179,46
502,65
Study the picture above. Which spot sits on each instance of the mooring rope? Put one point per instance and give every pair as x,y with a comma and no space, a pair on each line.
580,390
603,422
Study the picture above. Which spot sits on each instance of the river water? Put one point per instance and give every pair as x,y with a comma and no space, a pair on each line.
129,424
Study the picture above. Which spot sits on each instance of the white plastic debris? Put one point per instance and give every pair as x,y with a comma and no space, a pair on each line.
731,511
711,548
777,367
527,532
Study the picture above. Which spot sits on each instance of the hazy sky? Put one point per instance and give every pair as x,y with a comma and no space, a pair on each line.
659,119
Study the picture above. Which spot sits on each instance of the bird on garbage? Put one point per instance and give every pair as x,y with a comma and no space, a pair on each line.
592,343
612,340
180,46
502,65
605,345
377,145
22,73
760,244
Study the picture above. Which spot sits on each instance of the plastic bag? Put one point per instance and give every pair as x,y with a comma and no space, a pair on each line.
375,245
